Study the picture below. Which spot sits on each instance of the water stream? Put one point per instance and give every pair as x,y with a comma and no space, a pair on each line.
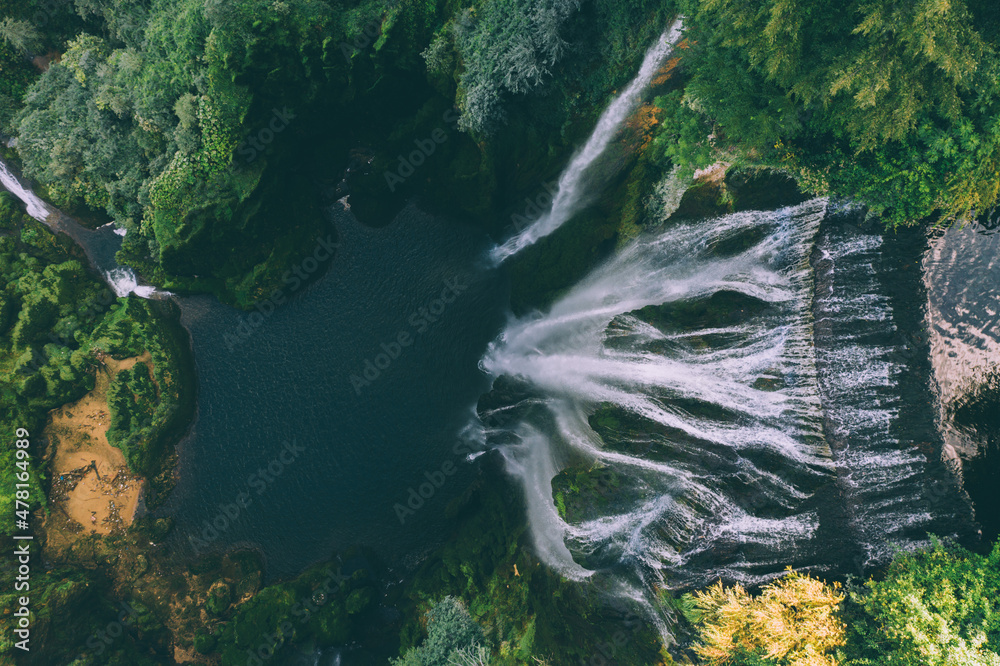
572,192
691,445
721,398
733,392
100,246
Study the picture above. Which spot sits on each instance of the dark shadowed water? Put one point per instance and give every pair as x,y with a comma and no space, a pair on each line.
287,377
961,271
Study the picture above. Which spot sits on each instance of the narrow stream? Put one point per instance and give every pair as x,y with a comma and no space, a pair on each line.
100,246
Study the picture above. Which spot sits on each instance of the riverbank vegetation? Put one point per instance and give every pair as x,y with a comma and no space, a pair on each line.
484,598
201,128
59,327
935,607
894,104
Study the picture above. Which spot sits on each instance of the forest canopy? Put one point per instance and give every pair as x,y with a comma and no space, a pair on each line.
892,103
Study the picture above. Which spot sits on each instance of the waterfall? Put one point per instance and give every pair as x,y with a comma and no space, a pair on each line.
711,427
572,189
697,407
121,279
37,208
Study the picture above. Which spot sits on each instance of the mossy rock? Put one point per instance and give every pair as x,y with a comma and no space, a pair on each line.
721,309
204,643
141,565
762,189
155,529
703,200
583,489
248,583
358,601
219,598
331,625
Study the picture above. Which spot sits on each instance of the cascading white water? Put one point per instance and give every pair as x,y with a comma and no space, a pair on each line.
37,208
725,398
855,347
121,279
706,395
123,282
571,194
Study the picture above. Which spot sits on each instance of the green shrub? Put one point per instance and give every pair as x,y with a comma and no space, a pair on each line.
935,607
450,630
204,642
506,46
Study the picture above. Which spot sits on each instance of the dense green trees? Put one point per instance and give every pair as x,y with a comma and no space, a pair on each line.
151,113
452,638
894,103
326,604
933,607
146,115
937,607
19,34
506,46
142,116
155,106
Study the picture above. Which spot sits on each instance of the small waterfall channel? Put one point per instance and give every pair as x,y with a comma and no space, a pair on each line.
100,246
572,190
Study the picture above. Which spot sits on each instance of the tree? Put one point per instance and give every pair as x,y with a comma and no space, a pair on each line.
38,313
893,103
453,637
506,46
916,57
20,34
936,607
793,621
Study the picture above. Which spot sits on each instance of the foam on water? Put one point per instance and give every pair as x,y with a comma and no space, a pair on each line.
861,397
596,347
734,385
